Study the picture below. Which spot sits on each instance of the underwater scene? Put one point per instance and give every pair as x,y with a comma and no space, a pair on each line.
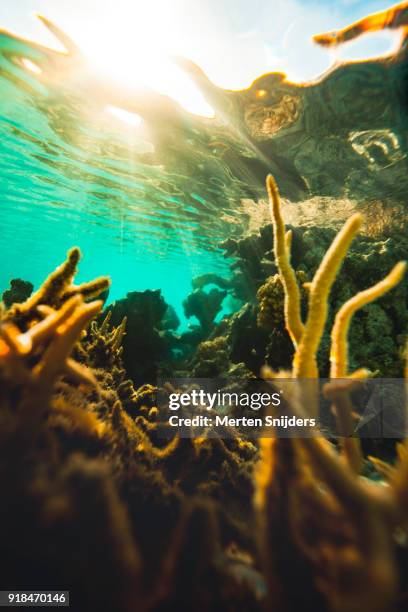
204,308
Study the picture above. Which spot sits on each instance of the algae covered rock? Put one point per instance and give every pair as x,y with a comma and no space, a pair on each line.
145,345
204,306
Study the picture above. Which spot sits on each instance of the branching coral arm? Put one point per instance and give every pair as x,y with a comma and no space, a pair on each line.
58,280
304,363
339,360
324,458
358,495
89,290
339,345
55,356
119,334
80,373
104,328
288,242
341,480
338,390
52,288
42,331
282,243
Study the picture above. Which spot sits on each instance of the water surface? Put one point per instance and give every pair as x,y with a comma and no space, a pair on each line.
71,174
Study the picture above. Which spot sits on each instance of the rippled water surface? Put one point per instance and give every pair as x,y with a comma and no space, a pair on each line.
73,174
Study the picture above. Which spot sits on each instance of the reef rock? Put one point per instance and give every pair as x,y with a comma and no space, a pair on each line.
204,306
145,345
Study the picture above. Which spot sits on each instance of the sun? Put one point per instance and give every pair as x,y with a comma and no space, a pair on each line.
131,44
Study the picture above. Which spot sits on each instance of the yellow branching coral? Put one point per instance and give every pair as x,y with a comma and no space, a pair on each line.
306,337
102,347
49,343
339,348
353,519
57,289
282,245
51,288
89,290
37,337
305,363
119,334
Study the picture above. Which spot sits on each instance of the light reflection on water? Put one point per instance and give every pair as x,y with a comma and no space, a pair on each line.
73,176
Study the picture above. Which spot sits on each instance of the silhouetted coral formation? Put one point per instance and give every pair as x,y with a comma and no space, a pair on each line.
145,344
204,306
20,290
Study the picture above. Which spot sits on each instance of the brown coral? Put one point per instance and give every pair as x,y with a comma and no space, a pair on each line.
271,298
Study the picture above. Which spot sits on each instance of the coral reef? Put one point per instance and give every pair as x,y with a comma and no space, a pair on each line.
270,297
376,334
339,527
212,358
38,335
104,499
102,347
97,500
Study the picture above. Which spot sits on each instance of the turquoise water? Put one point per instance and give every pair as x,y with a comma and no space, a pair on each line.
73,174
